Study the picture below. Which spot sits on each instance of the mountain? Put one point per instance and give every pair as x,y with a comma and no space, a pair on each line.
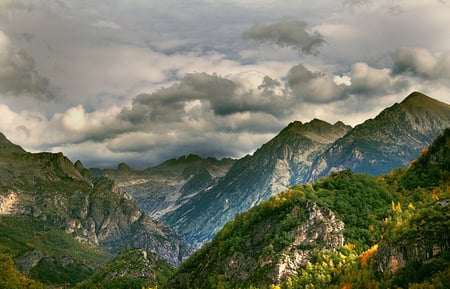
45,199
392,139
277,165
131,268
346,230
164,188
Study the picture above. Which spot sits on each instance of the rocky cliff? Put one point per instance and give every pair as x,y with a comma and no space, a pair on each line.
266,245
52,190
164,188
277,165
392,139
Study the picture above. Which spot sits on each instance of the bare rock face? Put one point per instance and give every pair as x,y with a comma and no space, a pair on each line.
322,229
392,139
54,191
277,165
264,246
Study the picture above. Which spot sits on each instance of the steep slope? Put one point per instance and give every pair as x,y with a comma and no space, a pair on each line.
48,189
393,139
131,268
277,239
277,165
163,188
344,231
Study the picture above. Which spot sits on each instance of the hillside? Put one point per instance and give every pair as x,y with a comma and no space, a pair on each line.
277,165
345,231
46,201
131,268
391,140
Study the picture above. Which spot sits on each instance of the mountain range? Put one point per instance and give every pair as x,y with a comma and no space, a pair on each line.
199,203
55,214
346,230
268,219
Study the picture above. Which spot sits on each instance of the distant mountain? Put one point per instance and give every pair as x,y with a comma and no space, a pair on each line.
344,231
277,165
392,139
44,191
161,189
198,196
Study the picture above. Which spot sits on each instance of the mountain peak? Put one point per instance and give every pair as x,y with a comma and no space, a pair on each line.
416,97
8,147
420,100
123,167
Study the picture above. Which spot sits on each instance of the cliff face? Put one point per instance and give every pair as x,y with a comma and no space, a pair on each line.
162,189
49,188
277,165
264,246
392,139
322,229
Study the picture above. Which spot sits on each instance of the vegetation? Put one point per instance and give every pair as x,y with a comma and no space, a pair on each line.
396,230
11,278
131,269
61,259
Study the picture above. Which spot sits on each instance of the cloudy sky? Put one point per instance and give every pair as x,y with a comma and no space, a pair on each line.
141,81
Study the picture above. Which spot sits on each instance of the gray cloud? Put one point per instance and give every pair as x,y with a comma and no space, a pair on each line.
287,33
322,87
18,75
200,93
368,81
420,62
313,87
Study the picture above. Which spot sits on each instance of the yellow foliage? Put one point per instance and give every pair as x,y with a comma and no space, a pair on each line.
367,254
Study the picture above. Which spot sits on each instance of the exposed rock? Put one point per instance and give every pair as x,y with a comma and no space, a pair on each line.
28,261
392,139
321,230
276,166
263,253
95,211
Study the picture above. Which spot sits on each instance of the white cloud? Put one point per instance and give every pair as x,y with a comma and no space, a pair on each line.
344,79
137,80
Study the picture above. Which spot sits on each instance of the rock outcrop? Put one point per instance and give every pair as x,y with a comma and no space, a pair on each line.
54,191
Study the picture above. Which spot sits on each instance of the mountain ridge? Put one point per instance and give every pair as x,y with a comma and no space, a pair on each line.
392,139
271,169
344,231
49,189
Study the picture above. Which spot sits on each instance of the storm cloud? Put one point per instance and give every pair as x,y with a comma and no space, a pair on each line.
146,81
18,75
286,33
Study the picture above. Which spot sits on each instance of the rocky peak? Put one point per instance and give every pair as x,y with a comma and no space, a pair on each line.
392,139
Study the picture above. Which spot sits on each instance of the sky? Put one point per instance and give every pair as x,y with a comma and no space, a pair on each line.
142,81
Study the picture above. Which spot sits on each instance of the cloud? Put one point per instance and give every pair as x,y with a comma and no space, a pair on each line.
287,33
313,87
8,5
362,81
211,94
369,81
420,62
106,24
18,75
